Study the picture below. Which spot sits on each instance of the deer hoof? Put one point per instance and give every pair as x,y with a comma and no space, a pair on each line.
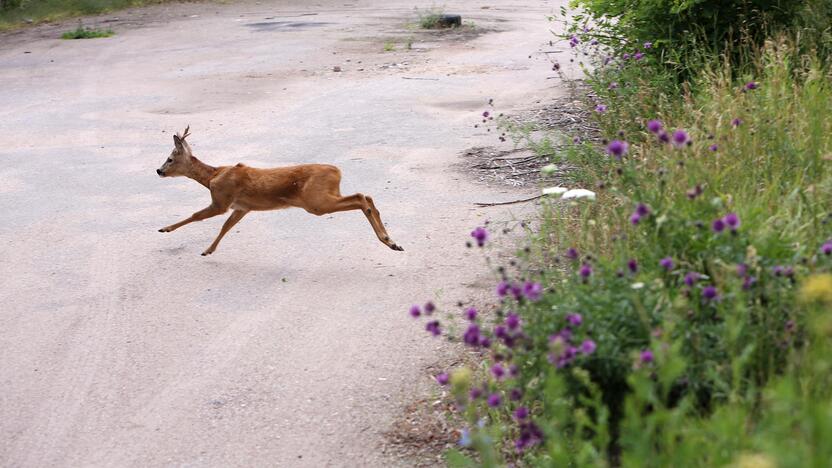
206,253
397,247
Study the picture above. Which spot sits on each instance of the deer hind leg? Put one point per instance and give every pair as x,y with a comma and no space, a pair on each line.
235,217
333,204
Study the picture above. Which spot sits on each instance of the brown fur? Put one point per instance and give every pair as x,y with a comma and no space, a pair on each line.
313,187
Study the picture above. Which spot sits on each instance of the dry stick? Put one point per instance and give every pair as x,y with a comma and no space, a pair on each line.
510,202
424,79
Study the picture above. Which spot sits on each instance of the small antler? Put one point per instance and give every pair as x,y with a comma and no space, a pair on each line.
186,132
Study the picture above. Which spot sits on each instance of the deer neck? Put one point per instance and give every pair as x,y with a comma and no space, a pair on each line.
201,172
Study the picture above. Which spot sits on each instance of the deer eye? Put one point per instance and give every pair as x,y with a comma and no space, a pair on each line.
170,159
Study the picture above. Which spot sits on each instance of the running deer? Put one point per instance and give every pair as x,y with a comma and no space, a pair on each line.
313,187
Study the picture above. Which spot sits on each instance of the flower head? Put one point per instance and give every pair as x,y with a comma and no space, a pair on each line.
498,371
485,114
533,291
713,148
613,85
433,328
585,271
646,356
429,307
521,413
654,126
680,138
709,293
572,253
480,235
494,400
443,378
663,136
472,335
588,347
574,319
691,278
503,288
666,263
732,221
632,265
638,55
601,108
718,225
826,248
752,85
415,312
471,313
512,321
617,148
736,122
648,45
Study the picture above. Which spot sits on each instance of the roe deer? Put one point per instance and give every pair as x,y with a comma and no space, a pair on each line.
313,187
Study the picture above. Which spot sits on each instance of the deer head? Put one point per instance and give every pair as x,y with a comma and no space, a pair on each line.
179,161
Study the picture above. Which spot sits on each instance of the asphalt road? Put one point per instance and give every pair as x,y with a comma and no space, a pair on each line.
291,344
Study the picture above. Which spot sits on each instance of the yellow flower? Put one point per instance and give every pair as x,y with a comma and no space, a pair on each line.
817,289
755,460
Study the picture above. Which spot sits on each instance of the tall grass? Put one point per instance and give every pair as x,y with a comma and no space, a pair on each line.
15,13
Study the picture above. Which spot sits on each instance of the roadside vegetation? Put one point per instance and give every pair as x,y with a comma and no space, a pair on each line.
82,32
16,13
675,306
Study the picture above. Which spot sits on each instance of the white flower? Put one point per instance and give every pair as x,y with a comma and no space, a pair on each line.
579,193
555,190
637,285
549,169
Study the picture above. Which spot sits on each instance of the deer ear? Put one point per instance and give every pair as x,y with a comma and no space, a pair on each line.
177,142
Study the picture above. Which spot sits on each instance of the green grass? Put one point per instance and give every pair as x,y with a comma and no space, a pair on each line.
389,46
17,13
430,19
86,33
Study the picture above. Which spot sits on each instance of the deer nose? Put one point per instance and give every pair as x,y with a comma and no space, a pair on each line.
159,171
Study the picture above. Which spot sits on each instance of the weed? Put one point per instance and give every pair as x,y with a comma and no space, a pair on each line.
389,46
82,32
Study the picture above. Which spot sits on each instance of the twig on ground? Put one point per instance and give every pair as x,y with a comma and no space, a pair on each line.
510,202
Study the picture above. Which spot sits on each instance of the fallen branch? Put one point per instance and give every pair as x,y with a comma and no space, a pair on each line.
510,202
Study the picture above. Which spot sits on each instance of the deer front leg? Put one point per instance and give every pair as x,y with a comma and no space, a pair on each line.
235,217
212,210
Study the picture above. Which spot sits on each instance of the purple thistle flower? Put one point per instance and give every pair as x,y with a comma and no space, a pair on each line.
742,269
517,292
732,221
475,393
691,278
694,192
748,282
498,371
588,347
778,270
601,108
576,140
613,85
638,56
572,253
429,307
642,209
533,291
680,138
585,271
513,371
485,342
709,293
751,85
666,263
443,378
515,394
574,319
618,148
736,122
471,313
481,235
714,147
512,321
472,335
415,312
494,400
521,413
663,136
593,42
500,332
635,219
626,56
648,45
826,248
503,288
632,265
485,114
433,328
646,356
718,225
654,126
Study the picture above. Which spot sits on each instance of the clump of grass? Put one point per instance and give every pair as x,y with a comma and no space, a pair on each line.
389,46
82,32
431,19
16,13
